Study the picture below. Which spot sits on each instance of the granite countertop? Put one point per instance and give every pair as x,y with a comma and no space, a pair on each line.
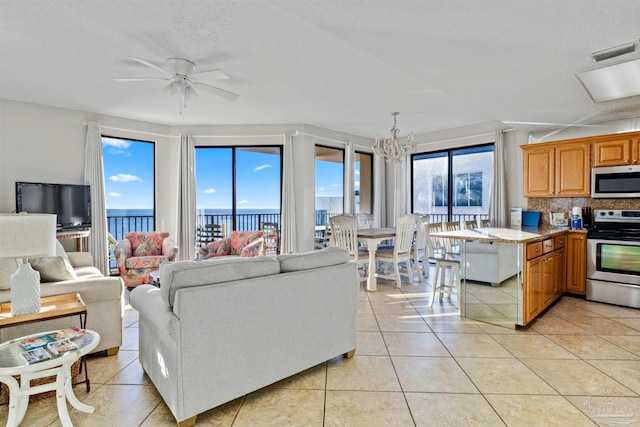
504,235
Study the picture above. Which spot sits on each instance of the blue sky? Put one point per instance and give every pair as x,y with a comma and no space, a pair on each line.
128,170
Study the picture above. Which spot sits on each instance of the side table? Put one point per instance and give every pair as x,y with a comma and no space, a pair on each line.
51,308
12,363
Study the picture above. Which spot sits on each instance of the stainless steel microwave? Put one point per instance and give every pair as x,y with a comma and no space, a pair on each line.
615,182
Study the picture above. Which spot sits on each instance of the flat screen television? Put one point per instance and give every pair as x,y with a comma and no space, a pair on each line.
71,203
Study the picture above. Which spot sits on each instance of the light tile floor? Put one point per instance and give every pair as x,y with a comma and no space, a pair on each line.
577,365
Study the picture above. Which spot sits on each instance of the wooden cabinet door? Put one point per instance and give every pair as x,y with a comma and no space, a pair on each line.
539,171
576,263
635,151
548,280
613,152
573,170
560,278
534,285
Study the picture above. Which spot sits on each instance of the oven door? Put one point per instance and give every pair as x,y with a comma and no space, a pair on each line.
613,261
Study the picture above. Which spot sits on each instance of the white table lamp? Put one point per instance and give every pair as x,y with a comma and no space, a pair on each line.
24,236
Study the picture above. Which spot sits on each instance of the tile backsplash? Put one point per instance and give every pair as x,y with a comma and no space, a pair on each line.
564,204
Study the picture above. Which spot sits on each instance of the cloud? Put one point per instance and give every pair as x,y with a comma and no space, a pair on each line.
259,168
357,172
209,191
116,146
124,177
114,194
122,144
320,189
243,202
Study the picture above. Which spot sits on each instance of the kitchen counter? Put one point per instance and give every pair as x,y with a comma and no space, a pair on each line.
503,235
514,301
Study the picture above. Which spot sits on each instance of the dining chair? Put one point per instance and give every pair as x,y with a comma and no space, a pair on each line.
444,262
344,234
470,224
401,250
365,220
419,247
452,245
485,223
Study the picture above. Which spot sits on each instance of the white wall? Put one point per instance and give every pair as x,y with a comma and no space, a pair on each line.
46,144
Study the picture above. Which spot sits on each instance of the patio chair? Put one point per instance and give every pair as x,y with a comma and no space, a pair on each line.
271,239
208,233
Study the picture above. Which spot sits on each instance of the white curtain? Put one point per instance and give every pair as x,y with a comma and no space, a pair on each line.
186,237
498,199
349,181
379,201
401,188
288,232
94,176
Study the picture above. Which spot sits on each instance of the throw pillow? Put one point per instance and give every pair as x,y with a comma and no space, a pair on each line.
53,269
8,266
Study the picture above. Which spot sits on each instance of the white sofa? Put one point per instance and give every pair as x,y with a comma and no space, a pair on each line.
219,329
490,262
103,296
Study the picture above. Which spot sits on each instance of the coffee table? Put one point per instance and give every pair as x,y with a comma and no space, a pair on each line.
13,363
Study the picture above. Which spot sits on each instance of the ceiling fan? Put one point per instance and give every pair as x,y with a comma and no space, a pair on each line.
181,77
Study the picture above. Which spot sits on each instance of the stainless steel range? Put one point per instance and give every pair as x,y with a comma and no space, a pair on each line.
613,257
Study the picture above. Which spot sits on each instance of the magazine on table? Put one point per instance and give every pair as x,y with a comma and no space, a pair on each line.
45,339
36,355
59,347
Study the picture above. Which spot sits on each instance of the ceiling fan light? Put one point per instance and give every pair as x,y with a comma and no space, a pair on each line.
173,89
189,93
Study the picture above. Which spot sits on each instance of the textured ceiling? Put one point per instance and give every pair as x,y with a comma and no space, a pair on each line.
339,64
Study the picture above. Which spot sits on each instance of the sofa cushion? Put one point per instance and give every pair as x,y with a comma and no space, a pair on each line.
325,257
8,266
186,274
53,269
60,251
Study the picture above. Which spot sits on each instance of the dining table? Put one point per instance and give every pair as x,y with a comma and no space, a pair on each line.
373,237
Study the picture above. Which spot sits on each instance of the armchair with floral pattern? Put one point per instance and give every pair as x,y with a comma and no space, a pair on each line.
139,254
238,243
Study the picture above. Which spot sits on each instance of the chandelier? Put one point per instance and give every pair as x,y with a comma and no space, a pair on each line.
391,148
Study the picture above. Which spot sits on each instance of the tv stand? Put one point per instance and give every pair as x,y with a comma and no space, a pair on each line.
74,234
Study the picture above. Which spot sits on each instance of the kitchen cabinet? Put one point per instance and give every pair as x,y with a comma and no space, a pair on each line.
545,275
616,151
557,170
576,262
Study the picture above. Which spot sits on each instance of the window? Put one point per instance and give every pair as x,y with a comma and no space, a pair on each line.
329,183
364,183
239,187
129,179
462,176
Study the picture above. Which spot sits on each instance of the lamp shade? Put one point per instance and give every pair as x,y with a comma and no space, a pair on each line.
27,235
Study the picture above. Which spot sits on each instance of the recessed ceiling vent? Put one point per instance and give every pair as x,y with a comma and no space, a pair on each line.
612,52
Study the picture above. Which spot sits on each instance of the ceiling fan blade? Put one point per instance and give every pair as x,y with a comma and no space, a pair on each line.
149,64
547,124
141,79
223,93
215,74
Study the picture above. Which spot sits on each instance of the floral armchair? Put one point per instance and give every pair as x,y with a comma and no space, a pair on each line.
238,243
139,254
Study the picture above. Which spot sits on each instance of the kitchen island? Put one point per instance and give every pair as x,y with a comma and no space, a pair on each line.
539,256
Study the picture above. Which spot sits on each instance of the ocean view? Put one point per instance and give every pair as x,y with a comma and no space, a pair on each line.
122,221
